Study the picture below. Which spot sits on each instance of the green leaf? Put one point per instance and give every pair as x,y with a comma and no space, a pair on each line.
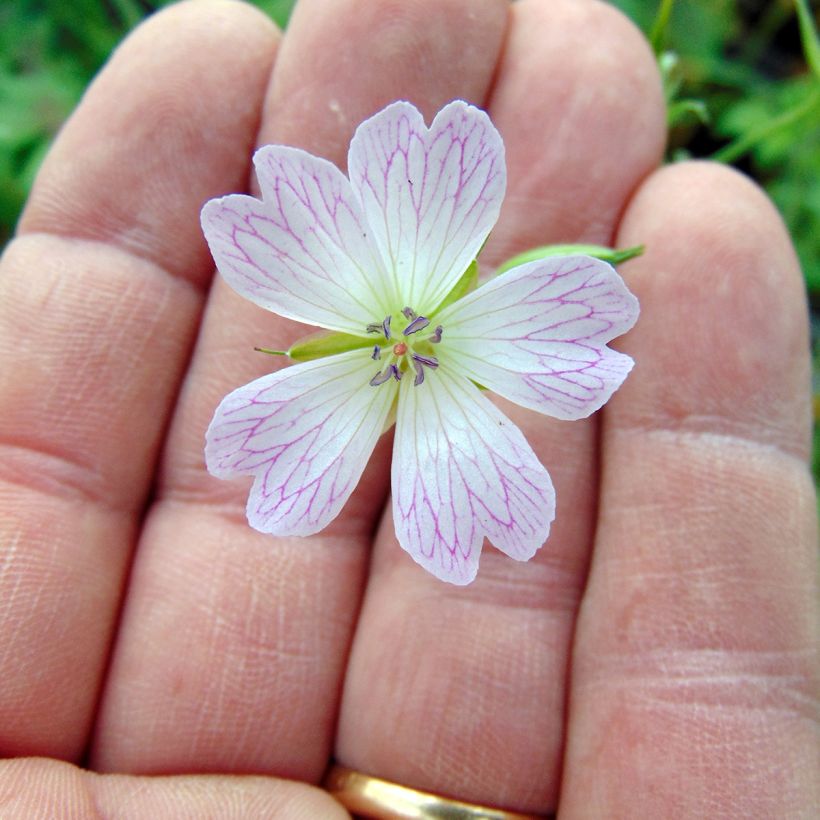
467,282
614,257
682,109
321,344
765,130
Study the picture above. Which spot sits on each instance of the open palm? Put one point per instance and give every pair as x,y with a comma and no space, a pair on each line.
655,659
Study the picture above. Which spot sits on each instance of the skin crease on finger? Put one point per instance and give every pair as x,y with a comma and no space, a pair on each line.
461,691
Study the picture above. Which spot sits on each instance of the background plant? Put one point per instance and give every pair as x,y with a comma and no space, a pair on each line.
742,81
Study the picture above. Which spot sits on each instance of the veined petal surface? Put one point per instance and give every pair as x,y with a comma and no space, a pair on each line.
537,335
305,251
430,196
306,433
462,471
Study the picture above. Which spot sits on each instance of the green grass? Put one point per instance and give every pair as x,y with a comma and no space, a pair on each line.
742,84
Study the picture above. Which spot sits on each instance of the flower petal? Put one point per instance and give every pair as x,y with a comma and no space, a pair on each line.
537,335
430,196
463,470
304,252
306,433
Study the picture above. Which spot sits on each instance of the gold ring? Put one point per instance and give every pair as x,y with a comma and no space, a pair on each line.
366,796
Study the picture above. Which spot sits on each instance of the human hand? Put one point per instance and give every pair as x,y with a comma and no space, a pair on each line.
655,659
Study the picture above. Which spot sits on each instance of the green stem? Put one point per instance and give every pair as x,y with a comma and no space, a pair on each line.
808,36
743,144
657,34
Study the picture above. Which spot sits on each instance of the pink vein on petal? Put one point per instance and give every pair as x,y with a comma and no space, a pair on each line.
537,335
431,196
462,471
304,252
305,433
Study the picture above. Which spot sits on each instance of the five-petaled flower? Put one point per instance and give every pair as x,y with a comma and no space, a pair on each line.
376,256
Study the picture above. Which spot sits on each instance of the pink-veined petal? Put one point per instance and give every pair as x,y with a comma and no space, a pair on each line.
430,196
462,471
306,433
537,335
304,251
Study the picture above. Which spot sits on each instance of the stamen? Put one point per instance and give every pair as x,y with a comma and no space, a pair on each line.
377,353
419,363
386,326
427,361
409,313
381,377
436,337
384,375
419,323
374,328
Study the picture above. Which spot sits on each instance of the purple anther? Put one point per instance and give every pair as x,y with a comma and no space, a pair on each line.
385,375
386,326
381,377
419,363
377,353
436,337
419,323
409,313
427,361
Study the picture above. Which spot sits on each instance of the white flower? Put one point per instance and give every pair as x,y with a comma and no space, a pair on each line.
376,257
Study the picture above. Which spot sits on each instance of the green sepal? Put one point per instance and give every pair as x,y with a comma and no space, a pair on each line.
614,257
325,343
467,282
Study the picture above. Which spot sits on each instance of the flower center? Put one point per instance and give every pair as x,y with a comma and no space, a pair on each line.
413,351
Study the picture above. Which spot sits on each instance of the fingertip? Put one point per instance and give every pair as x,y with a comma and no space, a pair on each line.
577,149
723,333
168,122
709,208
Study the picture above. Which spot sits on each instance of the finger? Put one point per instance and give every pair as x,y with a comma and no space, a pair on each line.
461,691
256,629
698,632
596,128
36,787
99,301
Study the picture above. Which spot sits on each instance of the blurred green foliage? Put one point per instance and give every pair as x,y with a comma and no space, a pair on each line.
748,98
49,51
742,80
